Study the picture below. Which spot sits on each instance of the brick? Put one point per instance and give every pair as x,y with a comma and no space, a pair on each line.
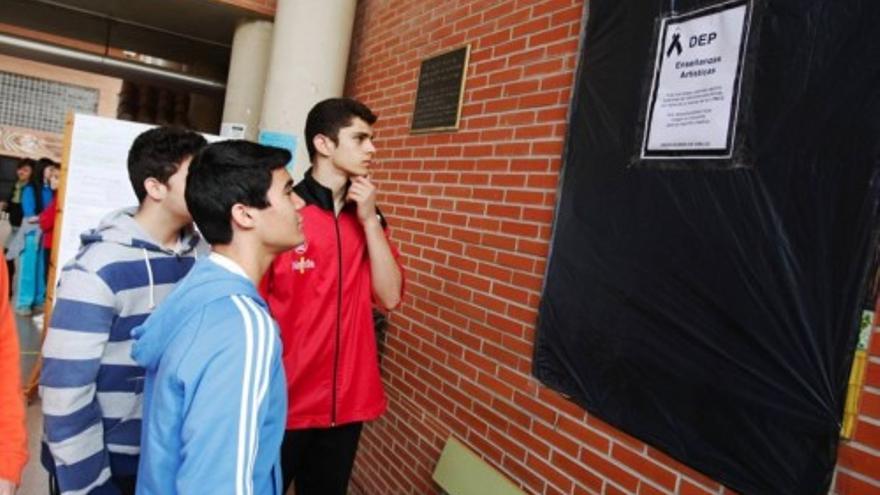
513,18
539,100
501,9
507,211
512,149
528,282
850,485
536,248
543,68
586,435
530,165
487,194
518,118
648,489
477,150
501,355
494,39
870,404
525,349
688,488
513,46
498,134
542,131
550,36
559,441
692,474
613,490
512,412
573,14
547,148
550,473
524,475
526,57
578,471
521,88
645,466
868,434
609,469
508,180
531,27
486,448
494,272
499,241
872,374
489,303
858,460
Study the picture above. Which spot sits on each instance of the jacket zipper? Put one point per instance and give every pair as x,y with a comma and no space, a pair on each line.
338,318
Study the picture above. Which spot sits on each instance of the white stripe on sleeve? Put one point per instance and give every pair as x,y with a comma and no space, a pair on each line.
243,486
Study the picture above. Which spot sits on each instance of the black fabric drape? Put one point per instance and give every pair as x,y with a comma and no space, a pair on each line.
712,312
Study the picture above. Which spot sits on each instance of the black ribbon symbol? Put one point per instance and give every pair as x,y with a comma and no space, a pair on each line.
676,44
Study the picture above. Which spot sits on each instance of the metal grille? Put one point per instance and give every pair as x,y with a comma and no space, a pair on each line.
41,104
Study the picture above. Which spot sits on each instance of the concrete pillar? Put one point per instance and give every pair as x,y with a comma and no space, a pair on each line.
246,82
308,64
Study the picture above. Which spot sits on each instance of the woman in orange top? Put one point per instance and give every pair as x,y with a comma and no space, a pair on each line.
13,444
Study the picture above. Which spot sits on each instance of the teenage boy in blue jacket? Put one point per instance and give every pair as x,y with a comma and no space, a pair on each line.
215,399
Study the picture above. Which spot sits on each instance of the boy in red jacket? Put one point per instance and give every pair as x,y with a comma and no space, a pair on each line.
322,294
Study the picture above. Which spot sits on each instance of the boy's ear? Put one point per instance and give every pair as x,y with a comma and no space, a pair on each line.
241,217
155,189
323,144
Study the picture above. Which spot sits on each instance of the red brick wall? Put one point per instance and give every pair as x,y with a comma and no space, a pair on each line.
858,463
471,212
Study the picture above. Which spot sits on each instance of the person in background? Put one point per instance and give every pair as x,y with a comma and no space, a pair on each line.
90,386
31,276
13,443
47,216
12,205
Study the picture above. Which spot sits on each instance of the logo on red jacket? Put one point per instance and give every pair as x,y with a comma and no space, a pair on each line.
300,262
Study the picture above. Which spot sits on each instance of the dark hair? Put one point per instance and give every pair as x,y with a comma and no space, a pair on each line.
157,153
330,115
45,163
27,162
226,173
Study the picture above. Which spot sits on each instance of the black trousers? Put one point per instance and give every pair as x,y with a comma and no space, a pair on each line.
319,460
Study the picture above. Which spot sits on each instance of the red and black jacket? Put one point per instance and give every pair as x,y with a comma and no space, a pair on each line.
321,294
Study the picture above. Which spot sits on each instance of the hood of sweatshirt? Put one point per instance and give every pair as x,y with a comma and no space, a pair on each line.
205,283
120,227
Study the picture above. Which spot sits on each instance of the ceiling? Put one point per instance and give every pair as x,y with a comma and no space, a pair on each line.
195,33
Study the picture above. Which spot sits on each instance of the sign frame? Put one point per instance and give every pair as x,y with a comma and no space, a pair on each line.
462,82
741,73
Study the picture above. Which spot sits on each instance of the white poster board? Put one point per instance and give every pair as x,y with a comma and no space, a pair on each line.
692,107
95,177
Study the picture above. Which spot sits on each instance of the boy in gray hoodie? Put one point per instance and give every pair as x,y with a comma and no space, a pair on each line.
91,388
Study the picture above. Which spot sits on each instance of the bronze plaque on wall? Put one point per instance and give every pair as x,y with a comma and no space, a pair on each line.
440,91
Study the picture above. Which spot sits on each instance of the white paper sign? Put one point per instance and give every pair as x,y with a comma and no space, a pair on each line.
694,94
233,130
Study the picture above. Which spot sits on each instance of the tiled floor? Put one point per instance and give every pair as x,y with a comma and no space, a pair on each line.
34,480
